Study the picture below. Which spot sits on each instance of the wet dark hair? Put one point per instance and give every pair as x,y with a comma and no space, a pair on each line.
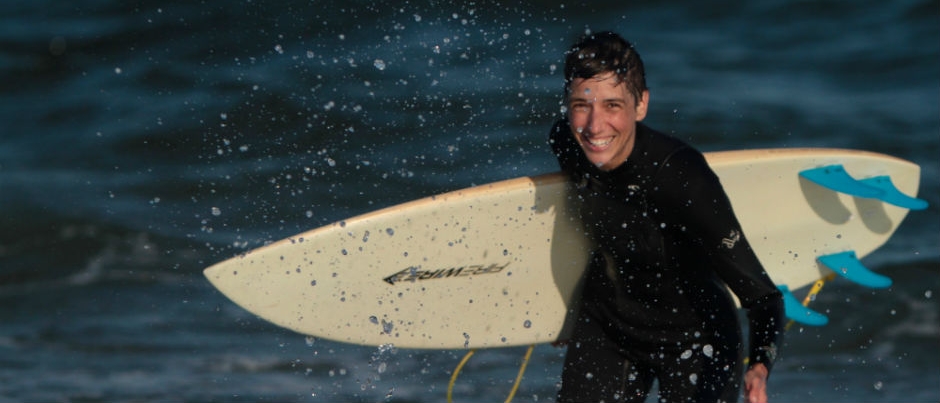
605,52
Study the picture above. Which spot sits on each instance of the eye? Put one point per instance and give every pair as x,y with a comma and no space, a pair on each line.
579,106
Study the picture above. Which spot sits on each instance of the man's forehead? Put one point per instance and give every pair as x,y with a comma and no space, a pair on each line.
588,87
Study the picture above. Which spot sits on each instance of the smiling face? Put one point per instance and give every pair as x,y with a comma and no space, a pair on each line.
602,113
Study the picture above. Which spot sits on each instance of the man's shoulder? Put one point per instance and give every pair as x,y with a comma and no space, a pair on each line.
661,146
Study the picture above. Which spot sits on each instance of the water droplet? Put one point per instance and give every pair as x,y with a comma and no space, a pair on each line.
216,211
708,350
527,324
379,64
686,354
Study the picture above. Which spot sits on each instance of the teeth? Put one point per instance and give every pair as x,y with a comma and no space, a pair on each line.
598,143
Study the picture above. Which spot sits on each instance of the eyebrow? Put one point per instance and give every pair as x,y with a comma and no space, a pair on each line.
614,99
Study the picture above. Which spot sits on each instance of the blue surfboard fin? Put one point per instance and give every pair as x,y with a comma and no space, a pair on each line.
847,265
834,177
894,196
799,313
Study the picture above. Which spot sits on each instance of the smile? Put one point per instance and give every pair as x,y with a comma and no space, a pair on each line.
600,143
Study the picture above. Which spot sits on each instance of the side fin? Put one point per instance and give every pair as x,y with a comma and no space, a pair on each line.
894,196
799,313
834,177
847,265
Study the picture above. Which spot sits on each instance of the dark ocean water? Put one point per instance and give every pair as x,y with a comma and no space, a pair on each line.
142,141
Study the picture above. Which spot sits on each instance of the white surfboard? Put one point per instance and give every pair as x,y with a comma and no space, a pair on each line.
499,264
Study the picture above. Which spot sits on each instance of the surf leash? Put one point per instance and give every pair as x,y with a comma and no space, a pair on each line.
525,362
811,295
453,378
515,385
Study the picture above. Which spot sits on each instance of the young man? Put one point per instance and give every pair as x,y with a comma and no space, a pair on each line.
655,302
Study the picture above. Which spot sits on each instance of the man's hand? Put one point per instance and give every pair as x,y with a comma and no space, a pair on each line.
755,384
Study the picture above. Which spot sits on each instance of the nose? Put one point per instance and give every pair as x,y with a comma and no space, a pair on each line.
594,121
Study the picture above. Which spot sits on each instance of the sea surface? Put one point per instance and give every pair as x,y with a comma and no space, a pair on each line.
142,141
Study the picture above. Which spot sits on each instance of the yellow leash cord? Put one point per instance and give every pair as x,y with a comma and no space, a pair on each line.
453,378
515,385
811,295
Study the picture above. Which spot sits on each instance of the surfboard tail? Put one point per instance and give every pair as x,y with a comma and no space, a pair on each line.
846,263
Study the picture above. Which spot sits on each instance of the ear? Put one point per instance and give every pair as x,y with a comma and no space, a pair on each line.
641,105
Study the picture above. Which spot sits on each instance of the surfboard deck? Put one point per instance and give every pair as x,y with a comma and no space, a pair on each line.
498,265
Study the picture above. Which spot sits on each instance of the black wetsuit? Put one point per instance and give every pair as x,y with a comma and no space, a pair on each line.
655,304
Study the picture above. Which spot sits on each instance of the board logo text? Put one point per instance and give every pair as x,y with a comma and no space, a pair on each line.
414,273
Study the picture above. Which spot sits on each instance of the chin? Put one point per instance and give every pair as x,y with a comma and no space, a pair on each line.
599,158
